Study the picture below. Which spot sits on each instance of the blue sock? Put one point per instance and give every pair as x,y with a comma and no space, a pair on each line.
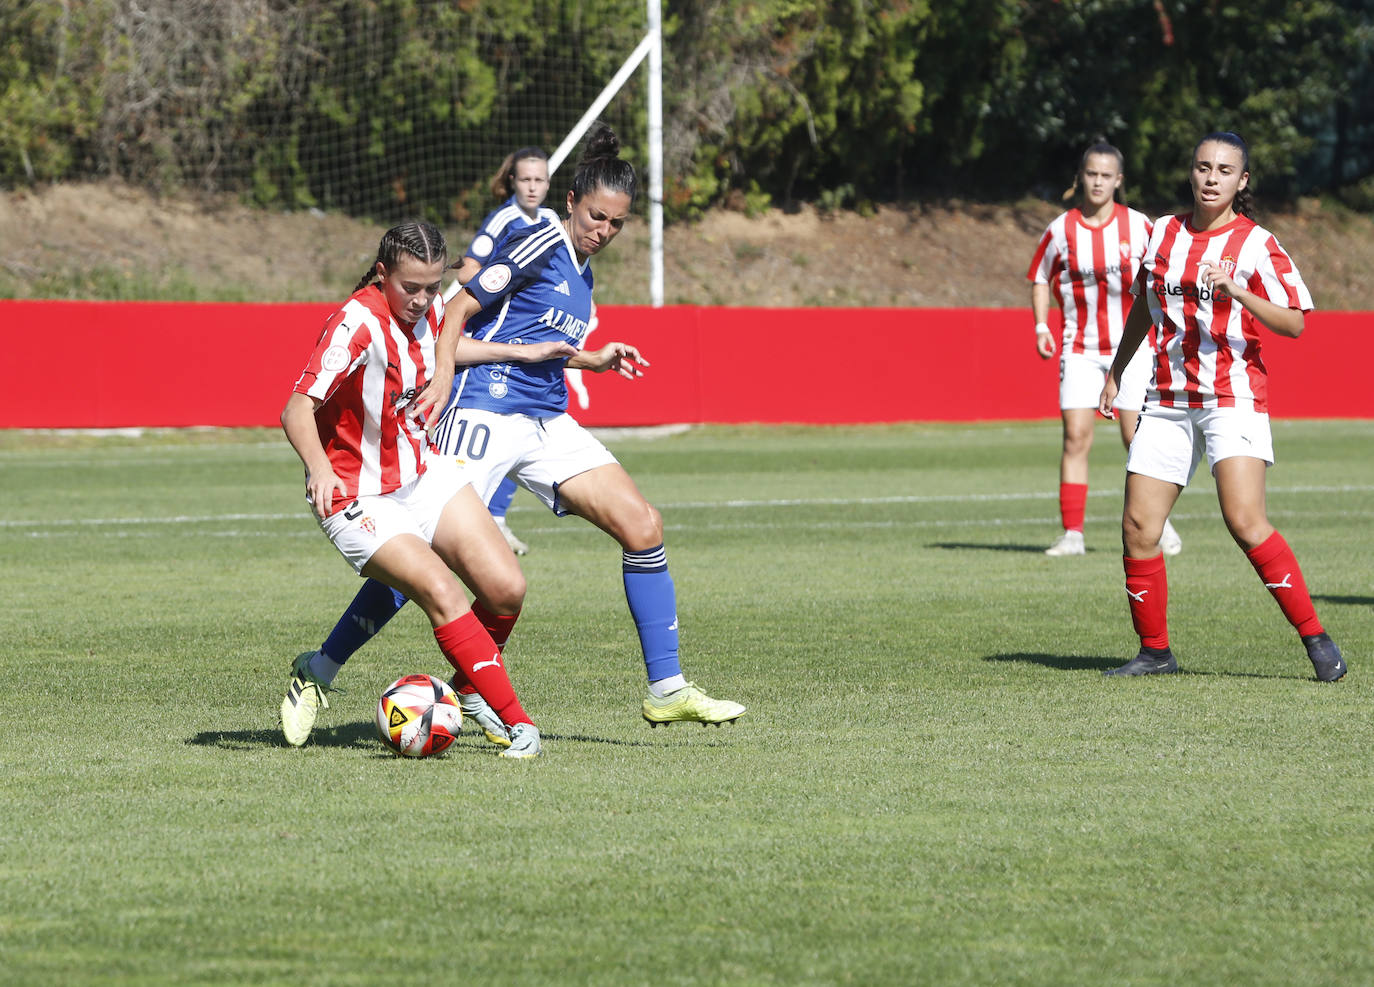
375,604
653,604
500,500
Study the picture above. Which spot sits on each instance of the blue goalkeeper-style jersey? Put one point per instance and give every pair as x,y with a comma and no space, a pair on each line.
531,291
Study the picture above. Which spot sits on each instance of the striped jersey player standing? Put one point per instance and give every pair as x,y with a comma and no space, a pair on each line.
400,515
1211,279
502,417
1087,258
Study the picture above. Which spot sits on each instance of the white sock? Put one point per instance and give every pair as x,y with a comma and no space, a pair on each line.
662,687
324,668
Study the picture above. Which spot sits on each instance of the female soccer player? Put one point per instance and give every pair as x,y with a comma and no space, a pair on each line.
1088,257
522,183
399,514
1210,280
504,417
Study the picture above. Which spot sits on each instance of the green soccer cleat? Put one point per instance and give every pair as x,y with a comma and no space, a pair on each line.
303,702
690,705
524,741
480,712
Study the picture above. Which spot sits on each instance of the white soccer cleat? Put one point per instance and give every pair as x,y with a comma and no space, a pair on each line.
479,711
1169,542
1069,543
516,545
524,741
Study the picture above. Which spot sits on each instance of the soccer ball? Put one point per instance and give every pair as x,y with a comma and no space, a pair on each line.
419,715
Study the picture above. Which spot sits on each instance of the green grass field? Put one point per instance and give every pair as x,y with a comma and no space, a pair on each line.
933,783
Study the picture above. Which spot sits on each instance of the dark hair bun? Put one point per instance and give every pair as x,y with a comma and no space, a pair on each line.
603,143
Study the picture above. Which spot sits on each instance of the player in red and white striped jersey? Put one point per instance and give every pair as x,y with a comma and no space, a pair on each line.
398,514
1087,258
1211,279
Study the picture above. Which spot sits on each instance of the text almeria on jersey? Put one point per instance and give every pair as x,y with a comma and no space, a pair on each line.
570,326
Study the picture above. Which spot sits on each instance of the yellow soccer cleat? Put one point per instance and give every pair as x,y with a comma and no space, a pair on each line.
303,702
690,705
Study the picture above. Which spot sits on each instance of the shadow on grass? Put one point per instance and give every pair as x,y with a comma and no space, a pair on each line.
958,546
1065,663
1354,601
1078,663
364,734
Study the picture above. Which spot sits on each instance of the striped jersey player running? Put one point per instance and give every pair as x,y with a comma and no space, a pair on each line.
1211,280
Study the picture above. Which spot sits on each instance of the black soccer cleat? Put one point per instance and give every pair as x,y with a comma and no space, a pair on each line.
1326,657
1150,661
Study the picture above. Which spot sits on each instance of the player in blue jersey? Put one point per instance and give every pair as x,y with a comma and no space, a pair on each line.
522,183
511,418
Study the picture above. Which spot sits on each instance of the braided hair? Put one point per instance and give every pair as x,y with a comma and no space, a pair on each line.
421,240
1245,200
602,167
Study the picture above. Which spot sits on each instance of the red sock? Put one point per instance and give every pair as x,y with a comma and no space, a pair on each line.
470,649
499,627
1147,588
1073,500
1278,567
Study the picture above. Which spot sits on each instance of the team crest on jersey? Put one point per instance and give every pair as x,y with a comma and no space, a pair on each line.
497,389
481,245
1228,264
495,278
335,359
367,525
1125,249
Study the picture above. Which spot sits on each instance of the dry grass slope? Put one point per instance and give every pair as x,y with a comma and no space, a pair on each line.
74,241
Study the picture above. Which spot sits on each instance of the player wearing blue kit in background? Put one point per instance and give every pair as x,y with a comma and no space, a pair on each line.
522,181
507,418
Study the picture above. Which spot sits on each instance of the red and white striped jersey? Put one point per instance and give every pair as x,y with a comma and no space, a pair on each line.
1090,269
1207,350
365,369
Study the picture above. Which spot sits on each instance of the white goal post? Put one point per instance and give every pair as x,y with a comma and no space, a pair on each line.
651,47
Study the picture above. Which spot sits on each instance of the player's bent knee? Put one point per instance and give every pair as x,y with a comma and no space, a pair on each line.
504,595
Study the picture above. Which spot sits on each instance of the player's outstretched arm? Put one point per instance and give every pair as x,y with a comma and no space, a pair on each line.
472,352
623,358
433,399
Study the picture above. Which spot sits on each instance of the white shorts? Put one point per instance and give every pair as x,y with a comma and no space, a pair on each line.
370,522
1081,376
538,453
1169,442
